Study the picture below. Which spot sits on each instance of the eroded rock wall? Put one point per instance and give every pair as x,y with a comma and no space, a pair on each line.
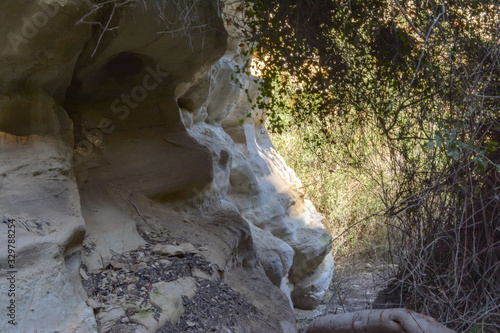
38,191
114,142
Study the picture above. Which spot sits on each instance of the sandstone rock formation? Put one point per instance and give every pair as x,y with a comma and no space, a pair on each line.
128,153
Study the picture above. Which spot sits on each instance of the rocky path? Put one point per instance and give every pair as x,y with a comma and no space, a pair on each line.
355,286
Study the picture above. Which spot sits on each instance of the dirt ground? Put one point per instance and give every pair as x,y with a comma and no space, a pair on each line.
355,286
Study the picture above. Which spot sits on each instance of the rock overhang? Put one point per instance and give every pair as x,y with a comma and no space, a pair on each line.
123,97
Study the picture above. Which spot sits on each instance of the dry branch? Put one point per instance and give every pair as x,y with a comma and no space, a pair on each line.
377,321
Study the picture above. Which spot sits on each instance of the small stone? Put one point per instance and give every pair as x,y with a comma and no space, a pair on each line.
93,303
110,315
145,318
118,265
168,296
138,267
131,306
83,274
200,274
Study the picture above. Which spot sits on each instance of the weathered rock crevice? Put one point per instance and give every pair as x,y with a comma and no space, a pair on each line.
115,142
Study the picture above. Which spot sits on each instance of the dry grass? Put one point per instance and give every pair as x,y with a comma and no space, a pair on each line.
448,250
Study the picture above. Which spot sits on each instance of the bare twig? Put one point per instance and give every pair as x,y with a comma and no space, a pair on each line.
409,20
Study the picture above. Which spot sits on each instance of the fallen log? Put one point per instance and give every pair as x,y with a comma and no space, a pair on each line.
377,321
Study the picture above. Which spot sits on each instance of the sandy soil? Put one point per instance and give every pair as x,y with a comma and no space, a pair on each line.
355,286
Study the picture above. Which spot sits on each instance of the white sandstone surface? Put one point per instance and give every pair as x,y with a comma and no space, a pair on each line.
119,145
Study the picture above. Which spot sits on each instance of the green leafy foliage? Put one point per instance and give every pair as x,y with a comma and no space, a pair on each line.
402,97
